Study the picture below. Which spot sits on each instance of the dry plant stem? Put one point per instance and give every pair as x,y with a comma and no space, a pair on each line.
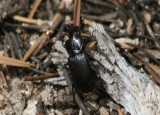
49,9
154,74
149,29
143,50
15,10
151,33
82,34
16,42
25,26
40,46
30,78
76,16
9,7
88,22
14,62
107,17
34,47
27,20
119,111
102,4
43,55
57,23
31,14
3,79
34,8
10,43
38,71
58,14
5,48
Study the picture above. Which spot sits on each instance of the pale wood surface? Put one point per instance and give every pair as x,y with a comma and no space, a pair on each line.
127,85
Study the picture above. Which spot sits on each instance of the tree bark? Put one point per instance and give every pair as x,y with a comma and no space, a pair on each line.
127,85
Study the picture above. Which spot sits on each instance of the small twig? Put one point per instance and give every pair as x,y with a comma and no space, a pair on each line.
17,47
25,26
149,29
155,75
49,9
119,111
33,48
46,64
10,43
38,71
82,34
108,17
34,8
40,46
14,62
156,42
58,14
57,22
148,54
102,4
76,16
88,22
59,34
3,79
30,78
27,20
5,47
41,56
15,10
151,32
31,14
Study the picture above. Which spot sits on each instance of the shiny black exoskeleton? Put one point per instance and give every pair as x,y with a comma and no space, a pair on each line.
82,74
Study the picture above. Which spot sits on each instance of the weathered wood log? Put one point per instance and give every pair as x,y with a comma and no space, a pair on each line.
127,85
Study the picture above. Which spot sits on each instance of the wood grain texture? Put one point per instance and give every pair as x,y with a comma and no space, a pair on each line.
127,85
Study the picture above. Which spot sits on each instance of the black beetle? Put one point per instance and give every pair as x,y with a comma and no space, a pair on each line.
82,74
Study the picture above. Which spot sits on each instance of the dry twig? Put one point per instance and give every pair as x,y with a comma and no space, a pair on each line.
30,78
14,62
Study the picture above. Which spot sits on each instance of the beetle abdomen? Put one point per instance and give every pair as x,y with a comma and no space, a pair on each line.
81,71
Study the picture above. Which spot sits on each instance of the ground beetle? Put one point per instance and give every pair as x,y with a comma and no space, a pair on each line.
81,72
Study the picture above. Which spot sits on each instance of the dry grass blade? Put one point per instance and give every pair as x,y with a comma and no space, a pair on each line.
30,78
14,62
